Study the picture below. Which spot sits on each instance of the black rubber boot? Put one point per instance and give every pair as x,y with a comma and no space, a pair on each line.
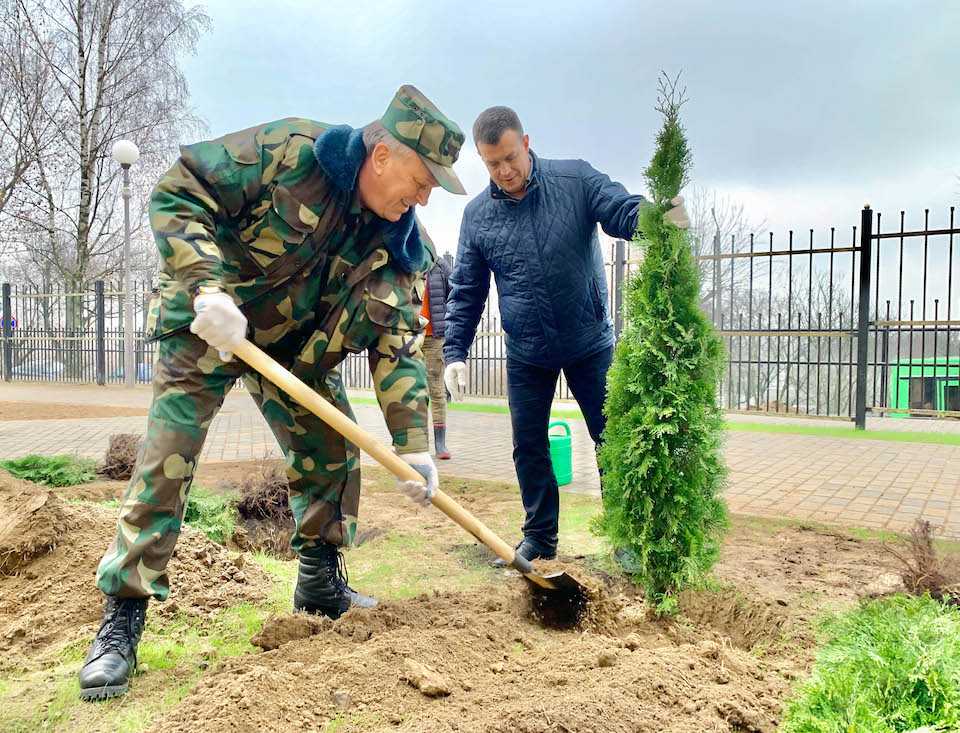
113,657
531,551
322,584
440,442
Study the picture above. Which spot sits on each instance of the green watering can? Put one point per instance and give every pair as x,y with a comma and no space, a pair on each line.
561,452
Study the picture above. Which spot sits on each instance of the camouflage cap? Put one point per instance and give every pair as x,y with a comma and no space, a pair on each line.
416,122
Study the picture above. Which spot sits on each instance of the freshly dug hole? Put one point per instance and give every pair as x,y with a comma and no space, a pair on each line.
576,601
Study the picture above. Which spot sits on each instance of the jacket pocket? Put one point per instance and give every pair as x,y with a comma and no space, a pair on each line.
170,308
153,313
281,231
392,317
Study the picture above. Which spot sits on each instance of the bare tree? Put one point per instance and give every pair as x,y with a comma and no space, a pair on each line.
720,226
108,70
113,74
26,130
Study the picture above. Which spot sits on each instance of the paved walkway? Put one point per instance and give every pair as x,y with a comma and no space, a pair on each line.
847,481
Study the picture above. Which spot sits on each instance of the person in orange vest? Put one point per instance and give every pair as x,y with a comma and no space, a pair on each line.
435,311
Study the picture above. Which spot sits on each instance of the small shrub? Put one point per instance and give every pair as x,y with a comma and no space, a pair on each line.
663,469
892,665
211,513
121,456
61,470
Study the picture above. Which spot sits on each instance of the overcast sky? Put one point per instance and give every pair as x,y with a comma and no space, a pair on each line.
802,111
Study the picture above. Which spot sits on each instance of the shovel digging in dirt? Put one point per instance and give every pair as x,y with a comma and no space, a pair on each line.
559,599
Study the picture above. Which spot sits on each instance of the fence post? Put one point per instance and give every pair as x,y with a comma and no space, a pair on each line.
7,334
863,319
101,344
619,260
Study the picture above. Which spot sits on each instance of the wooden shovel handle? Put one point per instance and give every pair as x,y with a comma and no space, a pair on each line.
307,397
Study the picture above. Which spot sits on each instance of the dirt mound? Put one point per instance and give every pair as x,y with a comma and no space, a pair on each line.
32,522
51,550
96,491
476,662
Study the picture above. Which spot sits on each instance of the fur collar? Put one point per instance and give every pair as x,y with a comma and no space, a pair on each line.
340,152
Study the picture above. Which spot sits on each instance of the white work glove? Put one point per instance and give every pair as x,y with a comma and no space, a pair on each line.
420,492
678,214
219,322
455,378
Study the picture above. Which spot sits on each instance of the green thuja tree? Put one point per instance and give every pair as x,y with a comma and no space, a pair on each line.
663,470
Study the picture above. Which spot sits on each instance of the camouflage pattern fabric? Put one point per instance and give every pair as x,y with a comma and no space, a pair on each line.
416,122
433,356
254,213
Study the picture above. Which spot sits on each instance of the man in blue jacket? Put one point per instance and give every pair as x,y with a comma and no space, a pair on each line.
535,229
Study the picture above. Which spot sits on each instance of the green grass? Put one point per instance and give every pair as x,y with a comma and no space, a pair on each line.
848,433
284,575
402,565
60,470
491,408
820,431
889,666
171,658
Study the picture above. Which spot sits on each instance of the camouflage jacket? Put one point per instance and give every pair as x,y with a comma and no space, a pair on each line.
272,215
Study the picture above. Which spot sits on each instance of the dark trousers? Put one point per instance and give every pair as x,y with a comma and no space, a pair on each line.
530,393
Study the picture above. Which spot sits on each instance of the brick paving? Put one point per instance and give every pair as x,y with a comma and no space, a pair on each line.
851,482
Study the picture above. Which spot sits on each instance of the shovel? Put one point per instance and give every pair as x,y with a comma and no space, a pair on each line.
559,599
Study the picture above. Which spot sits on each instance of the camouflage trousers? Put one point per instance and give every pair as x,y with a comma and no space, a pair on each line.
189,386
433,356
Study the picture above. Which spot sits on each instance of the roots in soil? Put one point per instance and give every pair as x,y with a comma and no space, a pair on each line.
921,570
264,511
263,494
121,456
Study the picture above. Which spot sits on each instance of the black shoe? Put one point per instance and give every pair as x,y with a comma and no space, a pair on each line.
627,560
322,585
531,551
113,657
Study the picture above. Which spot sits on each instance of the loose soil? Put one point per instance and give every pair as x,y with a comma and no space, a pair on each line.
49,551
455,661
62,411
726,664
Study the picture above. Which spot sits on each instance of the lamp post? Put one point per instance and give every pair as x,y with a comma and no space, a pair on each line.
125,152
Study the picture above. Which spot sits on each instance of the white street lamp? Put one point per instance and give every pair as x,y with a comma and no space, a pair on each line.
126,153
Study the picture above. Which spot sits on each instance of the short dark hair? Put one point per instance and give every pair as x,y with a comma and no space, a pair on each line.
493,122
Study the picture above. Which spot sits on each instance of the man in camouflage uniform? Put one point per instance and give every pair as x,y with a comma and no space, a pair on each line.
302,237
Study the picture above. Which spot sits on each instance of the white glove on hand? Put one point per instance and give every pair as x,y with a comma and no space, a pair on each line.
678,214
219,322
455,378
420,492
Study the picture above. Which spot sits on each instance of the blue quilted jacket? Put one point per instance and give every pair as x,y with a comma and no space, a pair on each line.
544,253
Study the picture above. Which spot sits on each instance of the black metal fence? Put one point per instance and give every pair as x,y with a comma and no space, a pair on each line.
53,334
832,324
840,324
